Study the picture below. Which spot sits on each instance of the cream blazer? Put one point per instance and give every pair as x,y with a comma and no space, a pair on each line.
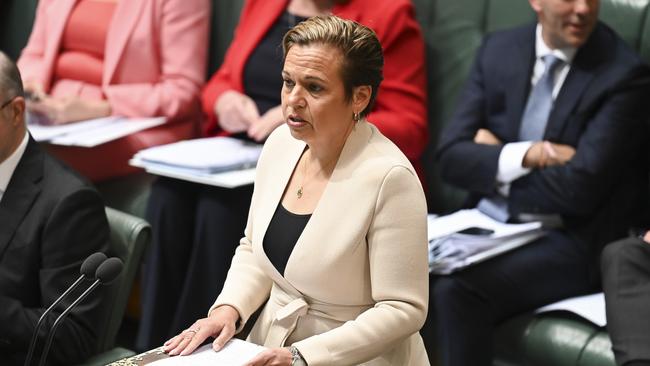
355,288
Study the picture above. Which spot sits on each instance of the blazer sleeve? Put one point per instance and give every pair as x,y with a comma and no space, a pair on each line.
615,134
463,162
399,273
400,112
76,228
225,78
183,28
30,61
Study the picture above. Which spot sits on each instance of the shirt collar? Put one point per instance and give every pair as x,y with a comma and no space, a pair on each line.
541,49
8,166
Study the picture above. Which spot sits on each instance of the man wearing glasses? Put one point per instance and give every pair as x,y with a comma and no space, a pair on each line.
50,221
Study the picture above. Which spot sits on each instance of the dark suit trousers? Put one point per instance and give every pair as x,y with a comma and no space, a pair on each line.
465,307
626,282
196,229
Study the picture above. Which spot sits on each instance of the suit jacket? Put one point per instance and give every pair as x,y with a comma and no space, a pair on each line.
51,220
400,112
355,286
601,111
154,65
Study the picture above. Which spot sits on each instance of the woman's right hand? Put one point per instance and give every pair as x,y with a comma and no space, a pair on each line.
236,111
220,324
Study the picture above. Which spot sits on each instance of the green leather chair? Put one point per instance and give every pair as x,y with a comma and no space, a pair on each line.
130,236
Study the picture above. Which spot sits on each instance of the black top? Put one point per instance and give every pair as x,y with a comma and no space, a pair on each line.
282,234
263,70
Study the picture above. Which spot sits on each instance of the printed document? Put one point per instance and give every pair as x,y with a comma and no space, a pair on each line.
450,249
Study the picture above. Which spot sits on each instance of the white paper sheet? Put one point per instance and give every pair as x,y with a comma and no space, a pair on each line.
235,353
590,307
91,132
42,133
114,130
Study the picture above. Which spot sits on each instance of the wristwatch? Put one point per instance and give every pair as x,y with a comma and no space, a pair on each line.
296,357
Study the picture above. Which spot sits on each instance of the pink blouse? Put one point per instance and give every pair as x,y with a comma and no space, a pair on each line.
81,57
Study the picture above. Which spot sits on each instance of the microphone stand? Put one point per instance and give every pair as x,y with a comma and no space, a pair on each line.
58,320
32,343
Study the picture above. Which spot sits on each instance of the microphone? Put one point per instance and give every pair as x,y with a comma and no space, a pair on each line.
106,273
87,270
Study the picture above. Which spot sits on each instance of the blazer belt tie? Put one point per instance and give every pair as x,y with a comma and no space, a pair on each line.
286,318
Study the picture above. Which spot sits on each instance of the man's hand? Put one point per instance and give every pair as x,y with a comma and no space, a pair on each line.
646,237
485,137
544,154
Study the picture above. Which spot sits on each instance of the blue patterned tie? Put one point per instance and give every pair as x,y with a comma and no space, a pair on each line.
540,102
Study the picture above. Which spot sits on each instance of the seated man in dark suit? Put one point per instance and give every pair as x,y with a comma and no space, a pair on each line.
50,221
549,126
626,282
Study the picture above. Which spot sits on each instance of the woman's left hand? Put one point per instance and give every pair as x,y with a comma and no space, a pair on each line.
272,357
69,109
262,127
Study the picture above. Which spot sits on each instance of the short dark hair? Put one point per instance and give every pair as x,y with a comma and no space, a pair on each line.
363,59
11,84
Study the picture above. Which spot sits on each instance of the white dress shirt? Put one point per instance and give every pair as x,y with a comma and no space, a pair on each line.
512,154
8,166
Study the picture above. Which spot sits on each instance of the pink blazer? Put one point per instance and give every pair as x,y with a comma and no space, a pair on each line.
155,62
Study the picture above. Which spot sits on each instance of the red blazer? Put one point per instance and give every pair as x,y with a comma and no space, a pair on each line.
154,65
400,112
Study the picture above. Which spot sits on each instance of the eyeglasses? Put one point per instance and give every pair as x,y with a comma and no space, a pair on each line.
7,103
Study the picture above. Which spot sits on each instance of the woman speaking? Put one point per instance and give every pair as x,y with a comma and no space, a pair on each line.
335,243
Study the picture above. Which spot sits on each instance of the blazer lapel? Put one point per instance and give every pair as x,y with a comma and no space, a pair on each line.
271,196
21,193
124,20
583,70
519,86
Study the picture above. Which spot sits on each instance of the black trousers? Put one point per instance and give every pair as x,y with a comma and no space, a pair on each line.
626,282
465,307
196,229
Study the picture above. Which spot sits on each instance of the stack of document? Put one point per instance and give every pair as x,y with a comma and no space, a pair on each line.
469,236
235,353
219,161
91,132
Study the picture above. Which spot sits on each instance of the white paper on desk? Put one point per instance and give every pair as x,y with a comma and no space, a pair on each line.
101,134
590,307
235,353
463,219
42,133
